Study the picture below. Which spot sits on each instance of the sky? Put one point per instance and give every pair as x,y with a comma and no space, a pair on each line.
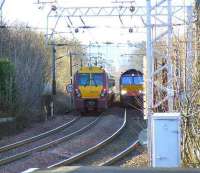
106,29
23,11
35,15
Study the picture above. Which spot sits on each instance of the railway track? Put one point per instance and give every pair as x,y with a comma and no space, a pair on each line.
99,132
122,154
66,135
136,157
105,153
37,137
84,144
128,153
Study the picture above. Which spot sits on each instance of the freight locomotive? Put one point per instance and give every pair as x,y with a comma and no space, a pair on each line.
92,89
131,88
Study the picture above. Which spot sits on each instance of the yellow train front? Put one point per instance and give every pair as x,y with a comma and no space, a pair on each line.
131,88
91,89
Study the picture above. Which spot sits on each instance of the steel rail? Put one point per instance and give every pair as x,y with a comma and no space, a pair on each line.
92,149
47,145
121,155
37,137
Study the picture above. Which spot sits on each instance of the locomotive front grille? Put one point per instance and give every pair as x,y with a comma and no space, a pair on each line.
91,102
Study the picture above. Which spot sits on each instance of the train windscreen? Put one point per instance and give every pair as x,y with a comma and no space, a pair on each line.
132,80
96,79
138,80
93,79
84,79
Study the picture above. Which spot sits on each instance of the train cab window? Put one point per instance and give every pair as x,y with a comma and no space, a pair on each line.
127,80
138,80
84,79
96,79
130,80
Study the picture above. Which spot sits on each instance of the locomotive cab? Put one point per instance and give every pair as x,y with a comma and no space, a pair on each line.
91,90
131,88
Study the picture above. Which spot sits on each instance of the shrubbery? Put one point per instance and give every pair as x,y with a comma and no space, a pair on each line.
29,66
7,87
23,73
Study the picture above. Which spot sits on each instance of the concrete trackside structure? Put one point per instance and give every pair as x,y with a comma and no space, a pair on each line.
87,169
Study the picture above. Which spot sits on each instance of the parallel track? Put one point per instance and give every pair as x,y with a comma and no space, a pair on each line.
37,137
46,145
92,149
89,153
121,154
130,149
111,153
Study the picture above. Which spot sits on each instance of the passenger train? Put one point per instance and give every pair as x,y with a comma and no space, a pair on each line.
131,88
93,90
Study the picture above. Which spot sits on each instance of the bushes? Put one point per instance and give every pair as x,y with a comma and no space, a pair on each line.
29,63
191,124
7,86
191,109
7,97
29,66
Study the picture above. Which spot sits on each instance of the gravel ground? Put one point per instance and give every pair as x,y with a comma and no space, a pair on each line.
136,159
37,128
105,127
125,139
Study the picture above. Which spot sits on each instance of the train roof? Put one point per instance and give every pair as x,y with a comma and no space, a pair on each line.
93,69
132,71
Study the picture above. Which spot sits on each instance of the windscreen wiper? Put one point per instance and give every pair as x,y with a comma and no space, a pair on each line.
87,82
95,83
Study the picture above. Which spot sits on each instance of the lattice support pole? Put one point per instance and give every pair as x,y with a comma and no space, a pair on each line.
151,42
189,56
165,98
169,60
149,80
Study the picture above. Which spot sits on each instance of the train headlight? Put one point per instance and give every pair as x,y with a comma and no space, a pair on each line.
103,92
123,92
141,91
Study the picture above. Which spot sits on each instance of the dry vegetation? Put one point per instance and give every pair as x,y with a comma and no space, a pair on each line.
62,99
186,100
31,58
186,84
191,110
191,125
186,93
26,50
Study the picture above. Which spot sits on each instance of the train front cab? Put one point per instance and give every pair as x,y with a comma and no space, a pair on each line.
91,91
131,90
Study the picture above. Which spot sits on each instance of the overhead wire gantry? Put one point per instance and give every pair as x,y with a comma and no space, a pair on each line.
160,20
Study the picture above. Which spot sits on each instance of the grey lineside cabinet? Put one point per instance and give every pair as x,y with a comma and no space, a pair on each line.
166,139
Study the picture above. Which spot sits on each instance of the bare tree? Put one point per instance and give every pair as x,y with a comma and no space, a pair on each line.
26,50
191,107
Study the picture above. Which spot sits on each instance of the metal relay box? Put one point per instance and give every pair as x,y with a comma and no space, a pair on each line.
166,139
